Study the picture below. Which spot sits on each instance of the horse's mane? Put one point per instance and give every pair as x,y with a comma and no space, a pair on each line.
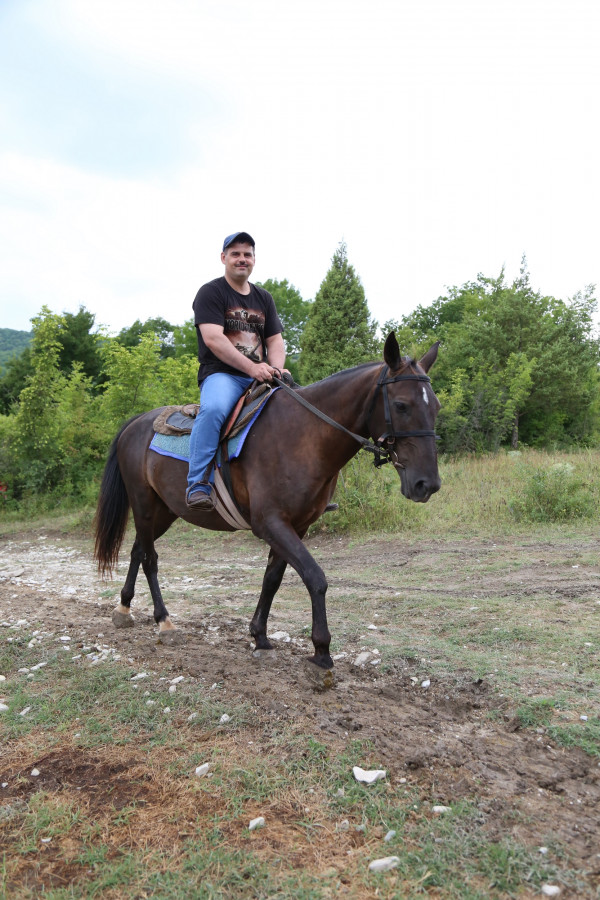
407,362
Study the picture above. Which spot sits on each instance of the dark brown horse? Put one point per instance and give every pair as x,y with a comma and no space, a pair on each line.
282,482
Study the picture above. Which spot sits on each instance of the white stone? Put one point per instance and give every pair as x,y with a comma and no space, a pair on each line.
25,711
384,864
3,707
2,677
202,770
150,702
368,776
224,719
543,850
583,718
177,680
139,676
65,637
45,840
391,834
280,636
172,688
440,810
363,658
550,890
372,627
192,717
35,773
425,684
256,823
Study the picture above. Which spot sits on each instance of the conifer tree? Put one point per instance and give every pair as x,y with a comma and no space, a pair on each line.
339,332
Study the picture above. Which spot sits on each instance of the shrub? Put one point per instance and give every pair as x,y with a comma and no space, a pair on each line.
554,494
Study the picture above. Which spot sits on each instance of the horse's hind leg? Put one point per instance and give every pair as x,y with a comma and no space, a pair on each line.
144,554
121,616
276,566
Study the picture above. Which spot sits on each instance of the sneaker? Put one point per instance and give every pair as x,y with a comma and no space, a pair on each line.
200,500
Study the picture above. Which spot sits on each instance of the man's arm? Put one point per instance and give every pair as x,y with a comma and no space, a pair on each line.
216,341
276,351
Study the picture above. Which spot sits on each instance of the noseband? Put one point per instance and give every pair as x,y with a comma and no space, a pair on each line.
389,437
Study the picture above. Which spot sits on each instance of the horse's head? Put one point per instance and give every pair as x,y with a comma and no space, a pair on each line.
403,420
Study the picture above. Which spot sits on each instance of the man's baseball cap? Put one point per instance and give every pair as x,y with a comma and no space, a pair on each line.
238,237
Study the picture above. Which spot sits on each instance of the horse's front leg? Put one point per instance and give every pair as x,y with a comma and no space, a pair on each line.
286,543
276,566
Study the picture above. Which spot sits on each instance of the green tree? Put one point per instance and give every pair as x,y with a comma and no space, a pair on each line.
132,335
510,358
37,429
76,344
339,332
79,345
132,384
185,340
292,309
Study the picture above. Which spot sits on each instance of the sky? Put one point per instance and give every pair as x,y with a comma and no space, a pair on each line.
437,138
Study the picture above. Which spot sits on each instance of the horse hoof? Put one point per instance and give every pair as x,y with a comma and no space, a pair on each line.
320,679
265,656
170,637
122,620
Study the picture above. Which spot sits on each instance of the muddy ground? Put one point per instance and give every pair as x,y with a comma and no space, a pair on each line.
455,738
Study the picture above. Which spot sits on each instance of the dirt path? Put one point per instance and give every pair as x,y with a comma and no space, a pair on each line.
455,738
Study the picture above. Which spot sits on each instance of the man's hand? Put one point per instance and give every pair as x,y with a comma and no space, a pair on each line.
262,372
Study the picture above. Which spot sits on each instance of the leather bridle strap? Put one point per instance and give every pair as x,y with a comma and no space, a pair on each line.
390,435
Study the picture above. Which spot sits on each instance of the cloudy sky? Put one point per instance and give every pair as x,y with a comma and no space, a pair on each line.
437,138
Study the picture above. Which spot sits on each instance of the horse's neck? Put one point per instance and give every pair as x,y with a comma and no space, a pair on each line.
346,397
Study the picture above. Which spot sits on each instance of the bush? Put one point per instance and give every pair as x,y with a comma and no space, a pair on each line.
555,494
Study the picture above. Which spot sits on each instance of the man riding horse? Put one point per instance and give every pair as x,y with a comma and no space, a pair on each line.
239,341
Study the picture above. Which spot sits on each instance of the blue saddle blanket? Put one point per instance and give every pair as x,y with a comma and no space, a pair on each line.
178,445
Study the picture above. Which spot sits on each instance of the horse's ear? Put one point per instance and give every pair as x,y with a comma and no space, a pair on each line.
391,352
430,357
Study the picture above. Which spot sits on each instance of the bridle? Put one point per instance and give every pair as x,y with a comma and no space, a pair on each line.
383,448
390,436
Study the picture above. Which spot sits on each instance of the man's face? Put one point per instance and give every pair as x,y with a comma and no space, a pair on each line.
238,260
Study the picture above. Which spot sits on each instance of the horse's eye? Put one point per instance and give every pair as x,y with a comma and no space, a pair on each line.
400,406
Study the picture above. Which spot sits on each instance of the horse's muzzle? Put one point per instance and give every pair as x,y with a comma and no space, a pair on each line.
420,489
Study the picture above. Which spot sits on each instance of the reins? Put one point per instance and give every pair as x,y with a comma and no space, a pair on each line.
381,454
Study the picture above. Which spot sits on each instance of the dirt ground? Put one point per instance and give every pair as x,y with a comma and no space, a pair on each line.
444,736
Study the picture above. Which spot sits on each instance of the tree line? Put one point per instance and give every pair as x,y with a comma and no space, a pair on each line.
516,368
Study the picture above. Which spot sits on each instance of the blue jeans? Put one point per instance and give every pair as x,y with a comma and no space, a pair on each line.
218,395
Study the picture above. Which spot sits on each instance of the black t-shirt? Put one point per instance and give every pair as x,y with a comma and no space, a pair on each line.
247,320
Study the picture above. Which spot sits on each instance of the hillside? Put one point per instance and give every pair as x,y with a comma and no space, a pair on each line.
12,343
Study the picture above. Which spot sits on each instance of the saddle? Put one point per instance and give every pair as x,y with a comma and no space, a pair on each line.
177,420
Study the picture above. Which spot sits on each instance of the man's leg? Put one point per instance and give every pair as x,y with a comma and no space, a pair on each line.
218,395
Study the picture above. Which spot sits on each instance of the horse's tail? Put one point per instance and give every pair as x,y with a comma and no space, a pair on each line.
112,511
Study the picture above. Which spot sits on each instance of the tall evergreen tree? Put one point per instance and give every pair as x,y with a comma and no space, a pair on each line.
339,332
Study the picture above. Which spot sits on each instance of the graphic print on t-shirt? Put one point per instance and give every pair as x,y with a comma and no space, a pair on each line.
245,329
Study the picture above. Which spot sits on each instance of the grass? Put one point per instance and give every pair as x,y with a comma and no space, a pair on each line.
499,492
118,811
